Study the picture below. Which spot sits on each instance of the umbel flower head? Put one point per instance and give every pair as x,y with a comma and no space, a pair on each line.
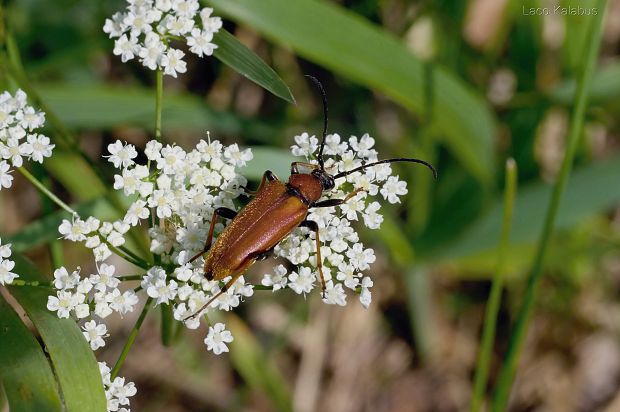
18,137
180,190
148,27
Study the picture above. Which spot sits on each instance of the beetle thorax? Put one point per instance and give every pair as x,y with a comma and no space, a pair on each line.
309,186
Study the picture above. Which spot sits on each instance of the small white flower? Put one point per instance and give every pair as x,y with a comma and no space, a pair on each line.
361,258
126,47
217,338
5,250
6,275
163,291
94,334
278,280
65,281
6,180
365,295
306,145
121,154
41,147
394,188
62,303
301,282
172,62
122,303
334,294
200,42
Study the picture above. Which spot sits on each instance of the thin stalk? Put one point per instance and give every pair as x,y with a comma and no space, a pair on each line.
130,277
167,324
159,94
490,320
131,339
508,370
45,190
137,262
21,282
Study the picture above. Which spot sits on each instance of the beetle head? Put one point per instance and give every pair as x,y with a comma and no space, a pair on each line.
327,180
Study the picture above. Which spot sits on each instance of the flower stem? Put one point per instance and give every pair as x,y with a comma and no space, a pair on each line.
508,370
20,282
490,321
45,190
130,277
159,94
131,339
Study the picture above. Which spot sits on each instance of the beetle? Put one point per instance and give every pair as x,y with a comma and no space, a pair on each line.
277,208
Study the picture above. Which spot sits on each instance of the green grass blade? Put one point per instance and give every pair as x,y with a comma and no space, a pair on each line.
255,367
355,48
508,371
74,362
244,61
24,370
490,320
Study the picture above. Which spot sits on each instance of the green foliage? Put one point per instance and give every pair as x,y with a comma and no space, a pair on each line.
74,363
233,53
27,375
362,52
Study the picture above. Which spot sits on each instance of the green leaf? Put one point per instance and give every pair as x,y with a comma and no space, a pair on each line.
24,370
583,198
361,51
233,53
74,362
255,366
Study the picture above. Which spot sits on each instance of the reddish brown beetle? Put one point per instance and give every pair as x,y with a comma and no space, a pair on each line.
275,211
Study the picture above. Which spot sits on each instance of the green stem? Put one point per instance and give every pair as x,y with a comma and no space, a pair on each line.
490,320
45,190
159,94
131,339
508,370
130,277
20,282
137,262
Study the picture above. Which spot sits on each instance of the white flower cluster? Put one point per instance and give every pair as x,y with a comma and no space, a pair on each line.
344,256
147,27
96,295
179,191
18,139
6,266
117,391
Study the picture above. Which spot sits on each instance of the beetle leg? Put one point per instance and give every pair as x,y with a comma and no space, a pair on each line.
220,211
337,202
248,261
312,225
267,176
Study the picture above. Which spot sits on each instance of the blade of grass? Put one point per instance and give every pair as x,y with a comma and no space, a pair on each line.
74,363
490,320
25,373
244,61
355,48
517,338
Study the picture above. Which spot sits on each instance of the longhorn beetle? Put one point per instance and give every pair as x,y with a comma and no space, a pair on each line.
275,211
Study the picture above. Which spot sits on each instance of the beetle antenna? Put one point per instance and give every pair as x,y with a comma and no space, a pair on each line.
324,97
398,159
